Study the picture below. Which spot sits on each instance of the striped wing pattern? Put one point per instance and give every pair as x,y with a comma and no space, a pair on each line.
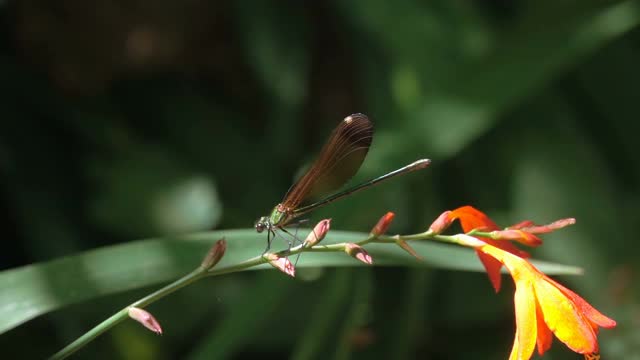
339,159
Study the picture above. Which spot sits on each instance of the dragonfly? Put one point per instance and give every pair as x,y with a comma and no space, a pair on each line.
338,161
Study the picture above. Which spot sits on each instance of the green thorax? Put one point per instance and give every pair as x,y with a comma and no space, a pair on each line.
280,216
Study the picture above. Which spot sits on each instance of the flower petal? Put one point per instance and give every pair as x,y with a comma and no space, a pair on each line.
565,319
515,349
471,218
507,246
492,266
589,311
525,302
545,336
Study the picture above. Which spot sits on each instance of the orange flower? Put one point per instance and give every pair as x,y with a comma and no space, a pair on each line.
523,232
473,219
543,306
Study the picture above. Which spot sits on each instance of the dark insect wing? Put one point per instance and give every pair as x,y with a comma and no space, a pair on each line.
339,159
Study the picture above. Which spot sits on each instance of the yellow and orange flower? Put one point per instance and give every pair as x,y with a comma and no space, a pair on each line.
473,219
542,305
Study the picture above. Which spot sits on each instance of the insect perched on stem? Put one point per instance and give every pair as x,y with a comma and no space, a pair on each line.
339,159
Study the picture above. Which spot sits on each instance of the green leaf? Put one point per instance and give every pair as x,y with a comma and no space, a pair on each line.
453,101
469,107
36,289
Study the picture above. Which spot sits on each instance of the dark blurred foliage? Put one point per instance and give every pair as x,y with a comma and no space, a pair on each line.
124,120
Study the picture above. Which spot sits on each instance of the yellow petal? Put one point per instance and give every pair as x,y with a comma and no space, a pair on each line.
526,323
564,318
545,337
515,349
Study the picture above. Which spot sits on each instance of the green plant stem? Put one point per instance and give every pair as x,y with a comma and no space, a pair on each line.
200,273
124,313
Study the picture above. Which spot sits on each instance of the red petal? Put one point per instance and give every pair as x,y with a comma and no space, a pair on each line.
545,336
492,266
471,218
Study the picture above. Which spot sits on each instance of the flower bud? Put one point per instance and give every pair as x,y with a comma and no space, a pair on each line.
282,263
145,318
441,223
318,233
214,255
358,252
383,224
521,224
521,236
556,225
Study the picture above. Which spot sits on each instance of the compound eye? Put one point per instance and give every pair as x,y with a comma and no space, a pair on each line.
259,227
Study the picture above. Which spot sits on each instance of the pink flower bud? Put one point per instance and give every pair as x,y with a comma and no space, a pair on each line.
318,233
559,224
405,246
521,224
283,264
358,252
543,229
145,318
383,224
441,223
521,236
214,255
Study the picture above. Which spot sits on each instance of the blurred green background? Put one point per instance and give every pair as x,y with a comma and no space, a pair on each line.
127,120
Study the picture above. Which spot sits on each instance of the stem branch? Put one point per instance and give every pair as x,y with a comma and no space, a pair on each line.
200,273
